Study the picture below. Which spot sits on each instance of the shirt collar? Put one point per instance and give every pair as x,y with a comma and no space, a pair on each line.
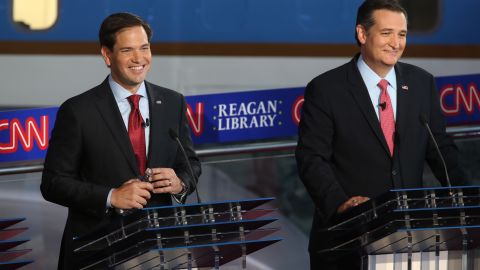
372,78
120,93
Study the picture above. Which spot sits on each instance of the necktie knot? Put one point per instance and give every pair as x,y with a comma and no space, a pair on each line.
383,84
134,100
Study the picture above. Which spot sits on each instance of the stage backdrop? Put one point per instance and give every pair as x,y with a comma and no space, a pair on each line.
230,117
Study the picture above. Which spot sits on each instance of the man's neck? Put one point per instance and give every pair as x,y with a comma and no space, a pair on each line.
130,88
380,69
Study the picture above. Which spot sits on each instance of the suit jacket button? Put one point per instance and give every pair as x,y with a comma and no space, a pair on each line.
394,172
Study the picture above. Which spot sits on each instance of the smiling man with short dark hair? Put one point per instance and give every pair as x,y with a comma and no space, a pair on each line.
108,138
360,133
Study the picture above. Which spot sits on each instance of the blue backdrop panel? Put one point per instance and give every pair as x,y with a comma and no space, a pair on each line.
230,117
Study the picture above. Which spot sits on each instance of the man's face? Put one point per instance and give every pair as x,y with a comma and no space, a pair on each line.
130,59
383,44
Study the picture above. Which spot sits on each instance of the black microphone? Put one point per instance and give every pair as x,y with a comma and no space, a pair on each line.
146,123
173,134
423,119
383,105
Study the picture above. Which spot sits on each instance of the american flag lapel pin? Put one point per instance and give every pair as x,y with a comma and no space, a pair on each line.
405,87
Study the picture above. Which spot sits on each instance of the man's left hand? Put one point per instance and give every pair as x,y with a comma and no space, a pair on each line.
165,180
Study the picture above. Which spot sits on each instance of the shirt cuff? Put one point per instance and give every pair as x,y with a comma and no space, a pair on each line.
180,197
109,204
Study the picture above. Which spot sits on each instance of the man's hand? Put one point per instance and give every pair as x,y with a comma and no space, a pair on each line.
131,194
352,202
165,180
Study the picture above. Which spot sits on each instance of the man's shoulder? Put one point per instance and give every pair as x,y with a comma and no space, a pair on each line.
342,69
87,96
410,70
333,78
163,91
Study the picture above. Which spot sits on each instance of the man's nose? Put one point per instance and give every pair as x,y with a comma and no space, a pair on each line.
394,42
135,56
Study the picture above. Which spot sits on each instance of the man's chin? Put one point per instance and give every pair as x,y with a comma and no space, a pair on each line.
136,81
390,62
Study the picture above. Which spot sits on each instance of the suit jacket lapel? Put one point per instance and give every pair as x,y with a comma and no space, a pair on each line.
158,129
360,93
402,101
110,113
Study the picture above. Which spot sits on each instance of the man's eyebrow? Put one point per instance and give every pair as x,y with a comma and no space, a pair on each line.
391,29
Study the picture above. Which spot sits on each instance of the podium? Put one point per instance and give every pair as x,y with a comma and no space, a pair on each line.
9,255
206,235
408,221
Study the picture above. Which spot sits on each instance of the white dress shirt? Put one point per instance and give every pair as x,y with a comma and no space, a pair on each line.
371,79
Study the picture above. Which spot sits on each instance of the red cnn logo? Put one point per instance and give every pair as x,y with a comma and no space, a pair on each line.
24,136
196,119
468,99
296,109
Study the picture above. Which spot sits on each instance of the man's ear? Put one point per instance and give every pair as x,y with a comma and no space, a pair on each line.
361,34
106,55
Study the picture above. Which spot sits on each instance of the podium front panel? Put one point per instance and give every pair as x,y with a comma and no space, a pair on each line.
194,234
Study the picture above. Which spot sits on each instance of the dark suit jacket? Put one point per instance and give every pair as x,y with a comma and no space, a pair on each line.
341,149
90,152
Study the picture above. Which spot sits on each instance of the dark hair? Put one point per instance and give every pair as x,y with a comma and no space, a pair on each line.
365,12
116,22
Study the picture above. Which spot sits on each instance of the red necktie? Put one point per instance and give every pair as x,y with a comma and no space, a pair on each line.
387,122
136,133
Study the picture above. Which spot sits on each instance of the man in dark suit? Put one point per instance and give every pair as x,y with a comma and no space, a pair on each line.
359,138
104,140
